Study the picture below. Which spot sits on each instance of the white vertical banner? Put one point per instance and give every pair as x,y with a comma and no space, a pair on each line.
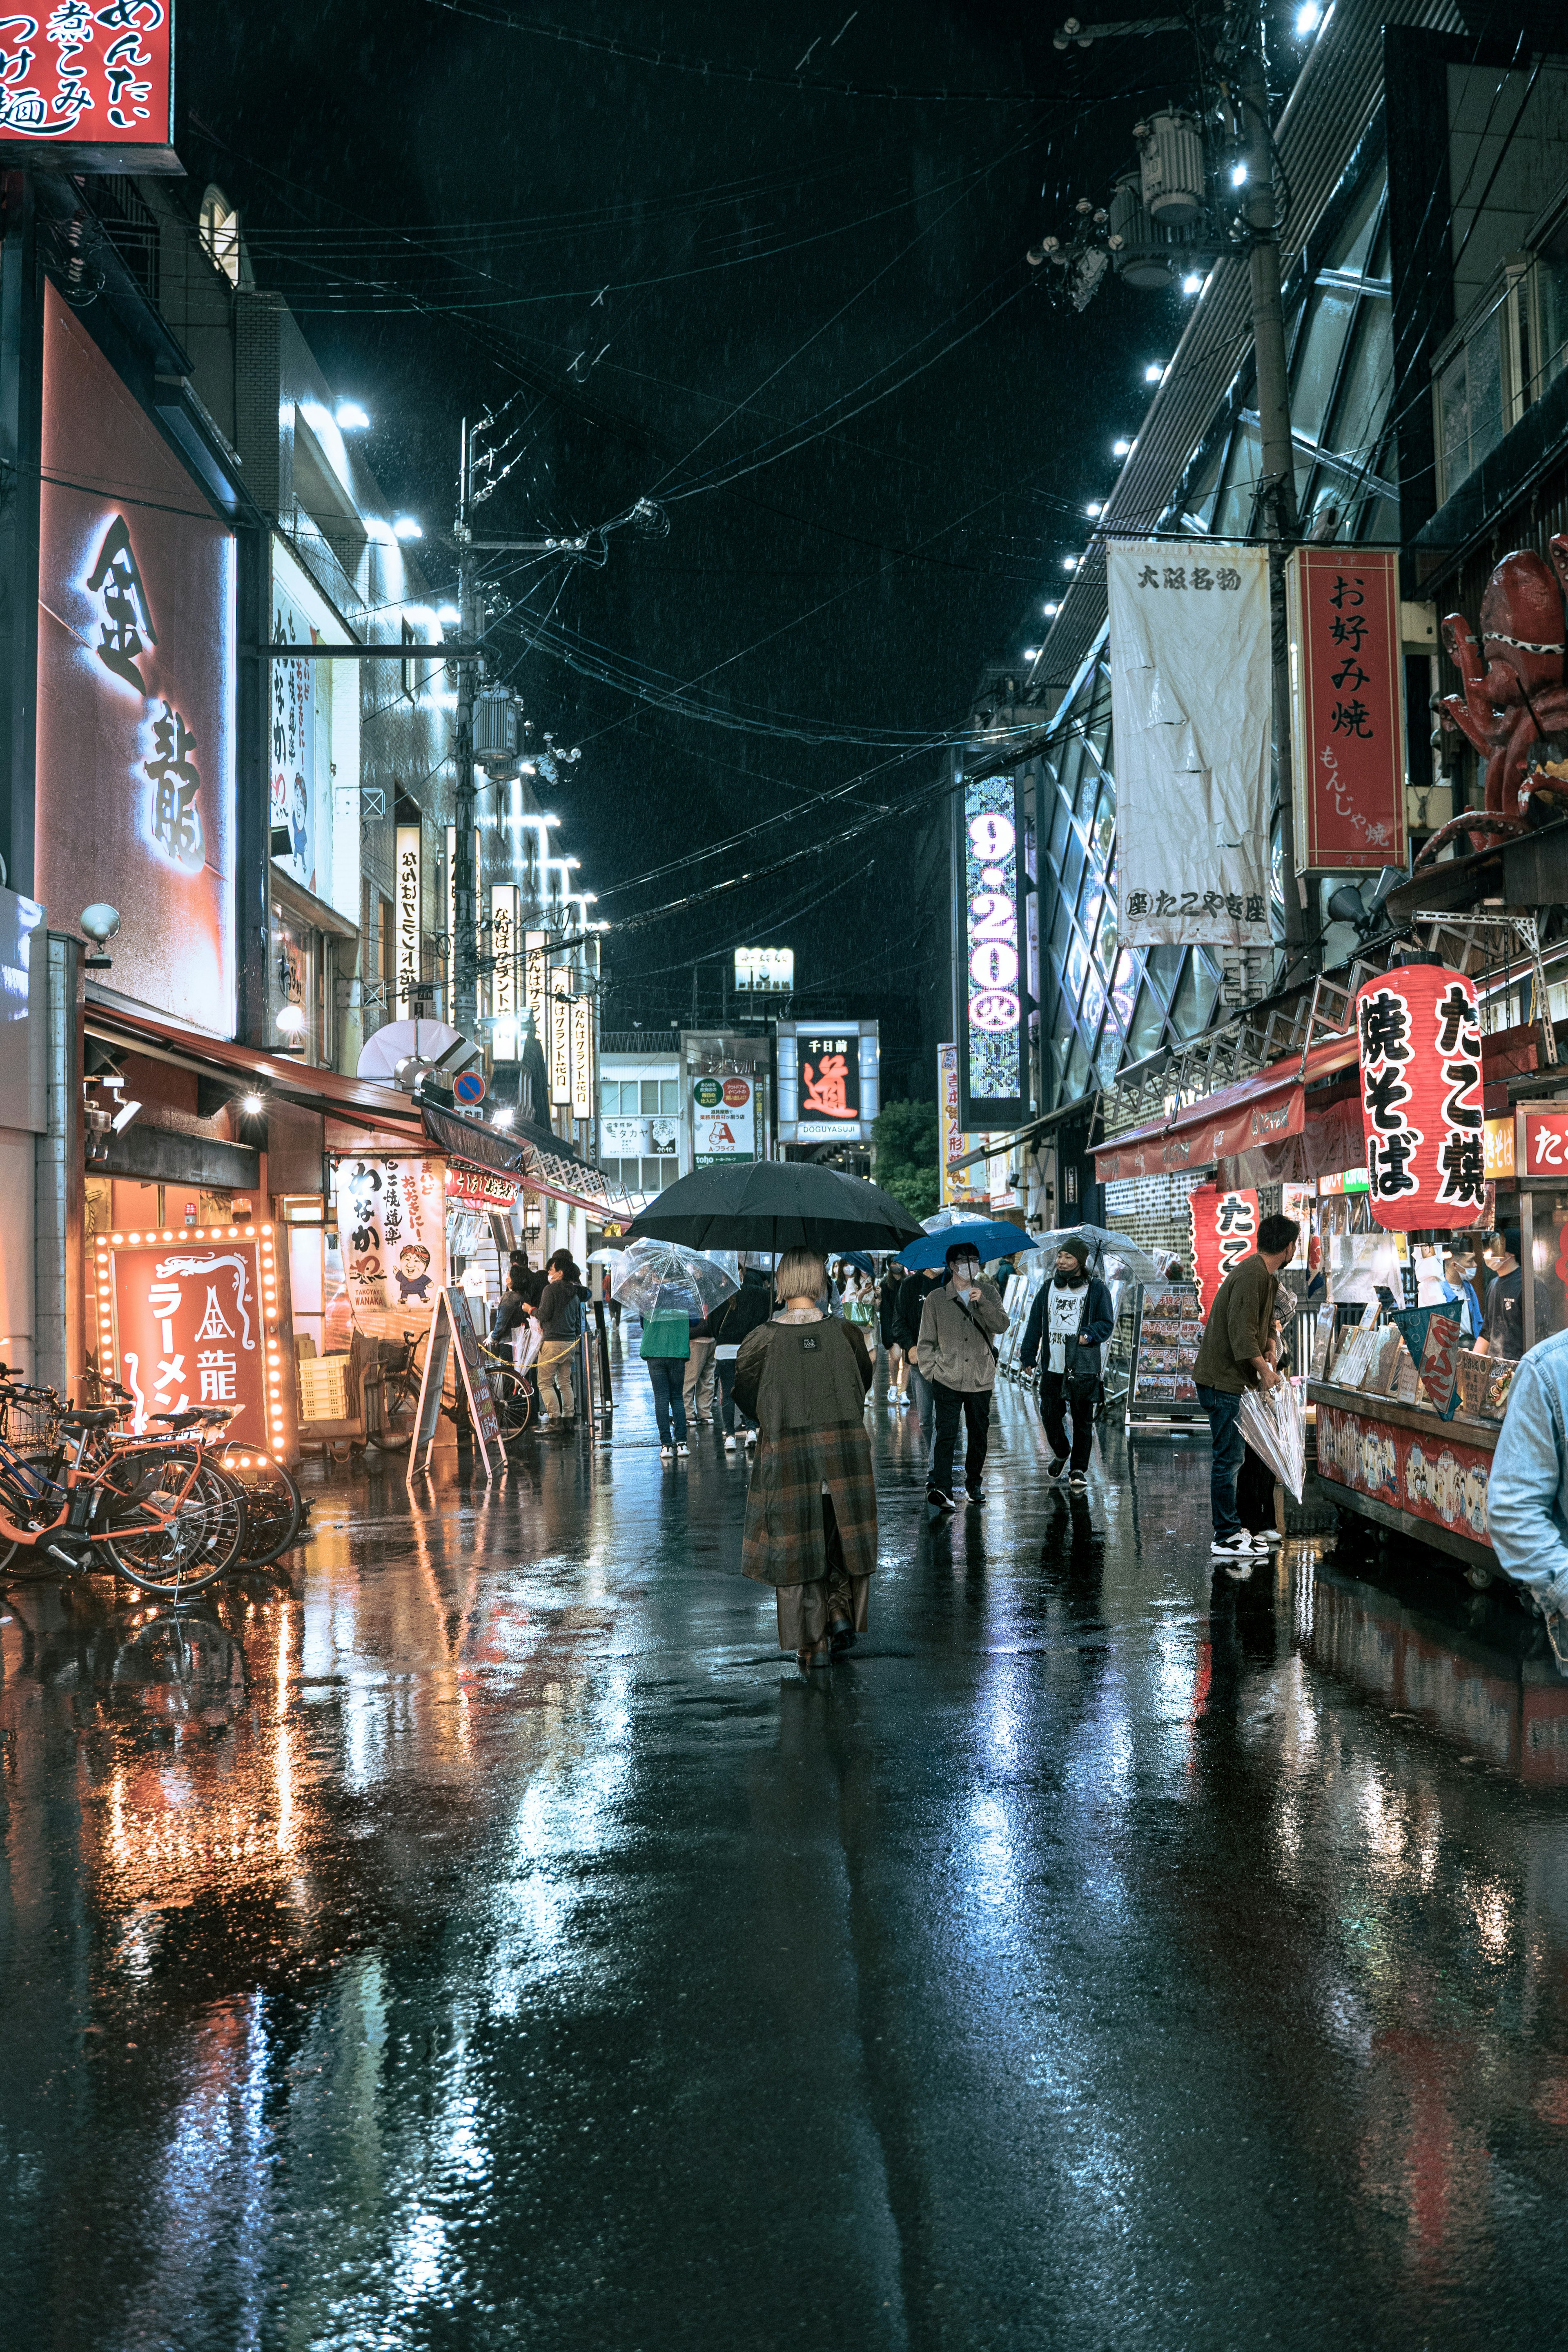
582,1057
1191,697
559,1049
410,908
504,988
535,964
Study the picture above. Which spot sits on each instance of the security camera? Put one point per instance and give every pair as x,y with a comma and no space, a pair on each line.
101,923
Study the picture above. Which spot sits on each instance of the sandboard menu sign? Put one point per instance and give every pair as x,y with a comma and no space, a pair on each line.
450,1321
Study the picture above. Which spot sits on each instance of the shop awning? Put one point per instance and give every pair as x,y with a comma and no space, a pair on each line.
1030,1132
1254,1111
364,1101
535,1156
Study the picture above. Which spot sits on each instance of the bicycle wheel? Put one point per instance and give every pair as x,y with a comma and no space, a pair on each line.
26,1564
192,1548
399,1412
274,1506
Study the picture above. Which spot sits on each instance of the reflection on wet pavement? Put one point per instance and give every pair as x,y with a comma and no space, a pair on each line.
479,1933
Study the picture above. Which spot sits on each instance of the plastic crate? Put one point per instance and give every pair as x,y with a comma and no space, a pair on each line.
324,1389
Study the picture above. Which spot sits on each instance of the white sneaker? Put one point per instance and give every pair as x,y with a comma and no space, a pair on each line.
729,1445
666,1452
751,1440
1266,1539
1236,1546
682,1451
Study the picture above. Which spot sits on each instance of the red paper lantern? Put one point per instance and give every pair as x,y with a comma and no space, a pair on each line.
1224,1230
1421,1098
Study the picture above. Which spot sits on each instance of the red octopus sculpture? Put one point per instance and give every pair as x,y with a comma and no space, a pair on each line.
1517,699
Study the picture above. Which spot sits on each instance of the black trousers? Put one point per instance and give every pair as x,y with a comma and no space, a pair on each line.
1255,1493
1054,1394
974,1407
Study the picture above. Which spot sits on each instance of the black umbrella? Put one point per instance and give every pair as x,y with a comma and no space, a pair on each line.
775,1204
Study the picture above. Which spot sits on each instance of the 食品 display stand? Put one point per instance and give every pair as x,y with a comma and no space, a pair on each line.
450,1322
1168,1326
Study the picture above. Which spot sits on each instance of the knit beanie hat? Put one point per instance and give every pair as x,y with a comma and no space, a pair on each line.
1074,1246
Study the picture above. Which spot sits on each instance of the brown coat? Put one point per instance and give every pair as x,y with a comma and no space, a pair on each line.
804,1386
1241,1325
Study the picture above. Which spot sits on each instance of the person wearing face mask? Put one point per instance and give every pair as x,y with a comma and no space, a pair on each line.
1073,1317
1502,1333
955,1355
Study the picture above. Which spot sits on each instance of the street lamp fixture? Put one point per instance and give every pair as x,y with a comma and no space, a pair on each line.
351,418
406,528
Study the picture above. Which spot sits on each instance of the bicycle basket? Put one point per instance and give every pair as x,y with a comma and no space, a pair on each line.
30,1422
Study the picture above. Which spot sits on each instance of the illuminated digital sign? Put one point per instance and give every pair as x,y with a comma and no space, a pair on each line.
136,671
992,1067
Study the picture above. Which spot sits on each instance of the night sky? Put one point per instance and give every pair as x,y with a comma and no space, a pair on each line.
800,321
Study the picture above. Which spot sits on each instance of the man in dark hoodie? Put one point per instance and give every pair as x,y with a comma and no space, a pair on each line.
1073,1315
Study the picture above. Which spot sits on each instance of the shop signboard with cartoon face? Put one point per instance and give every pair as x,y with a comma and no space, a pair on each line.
391,1227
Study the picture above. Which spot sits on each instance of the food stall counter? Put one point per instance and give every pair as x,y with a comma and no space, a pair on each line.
1409,1469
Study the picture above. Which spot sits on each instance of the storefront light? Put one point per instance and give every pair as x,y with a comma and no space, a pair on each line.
404,527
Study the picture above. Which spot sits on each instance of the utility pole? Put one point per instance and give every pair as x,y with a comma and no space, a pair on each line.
1277,486
465,1010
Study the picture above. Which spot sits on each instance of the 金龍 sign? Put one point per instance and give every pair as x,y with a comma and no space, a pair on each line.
992,1065
198,1319
88,84
1191,693
1347,709
723,1121
136,671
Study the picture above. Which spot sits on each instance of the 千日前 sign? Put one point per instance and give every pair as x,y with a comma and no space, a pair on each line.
89,84
1347,709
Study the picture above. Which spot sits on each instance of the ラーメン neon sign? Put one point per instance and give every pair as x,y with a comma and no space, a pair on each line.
992,1067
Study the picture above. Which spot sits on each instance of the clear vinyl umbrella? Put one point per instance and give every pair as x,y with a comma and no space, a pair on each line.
665,1277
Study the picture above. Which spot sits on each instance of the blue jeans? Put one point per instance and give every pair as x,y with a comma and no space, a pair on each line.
668,1375
1225,1427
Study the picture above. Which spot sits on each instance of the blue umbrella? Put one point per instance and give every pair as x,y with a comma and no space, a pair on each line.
987,1239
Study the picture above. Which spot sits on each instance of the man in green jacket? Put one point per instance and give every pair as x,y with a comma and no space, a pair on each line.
1233,1358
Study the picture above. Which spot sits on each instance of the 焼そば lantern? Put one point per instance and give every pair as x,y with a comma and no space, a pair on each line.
1420,1044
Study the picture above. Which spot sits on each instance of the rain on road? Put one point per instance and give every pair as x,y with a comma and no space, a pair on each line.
482,1936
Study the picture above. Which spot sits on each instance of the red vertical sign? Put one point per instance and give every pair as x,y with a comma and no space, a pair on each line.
89,74
1347,709
187,1322
1224,1230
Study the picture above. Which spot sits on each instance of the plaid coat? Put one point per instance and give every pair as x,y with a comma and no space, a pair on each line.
804,1385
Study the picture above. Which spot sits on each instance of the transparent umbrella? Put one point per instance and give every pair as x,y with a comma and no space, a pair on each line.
654,1277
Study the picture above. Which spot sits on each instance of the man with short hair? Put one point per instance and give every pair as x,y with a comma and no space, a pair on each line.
1503,1332
955,1353
1233,1358
907,1312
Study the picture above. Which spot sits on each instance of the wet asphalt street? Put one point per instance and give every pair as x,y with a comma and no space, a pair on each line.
481,1937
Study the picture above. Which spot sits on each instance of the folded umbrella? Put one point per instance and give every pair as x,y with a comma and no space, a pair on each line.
775,1204
991,1238
656,1276
1274,1427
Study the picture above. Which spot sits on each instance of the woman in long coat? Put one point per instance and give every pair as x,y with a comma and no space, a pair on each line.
811,1512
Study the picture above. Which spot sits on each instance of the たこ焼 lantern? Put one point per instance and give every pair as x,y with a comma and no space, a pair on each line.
1420,1044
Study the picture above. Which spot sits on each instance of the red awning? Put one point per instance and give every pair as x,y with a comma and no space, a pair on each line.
360,1101
1257,1110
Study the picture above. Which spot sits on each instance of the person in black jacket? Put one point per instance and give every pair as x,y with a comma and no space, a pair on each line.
729,1324
1073,1315
892,1282
907,1323
560,1312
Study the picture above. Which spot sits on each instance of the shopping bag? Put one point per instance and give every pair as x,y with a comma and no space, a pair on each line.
526,1340
1274,1428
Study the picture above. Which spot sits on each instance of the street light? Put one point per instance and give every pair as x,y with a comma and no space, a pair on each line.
351,418
406,528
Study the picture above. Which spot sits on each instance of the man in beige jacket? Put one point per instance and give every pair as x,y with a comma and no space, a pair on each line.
957,1323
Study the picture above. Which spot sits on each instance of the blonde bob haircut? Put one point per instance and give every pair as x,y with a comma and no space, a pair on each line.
803,1274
